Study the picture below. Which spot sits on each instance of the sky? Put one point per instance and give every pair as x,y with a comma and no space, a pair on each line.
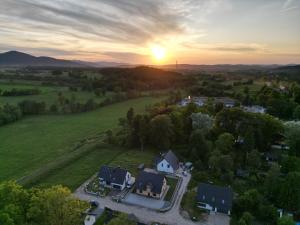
127,31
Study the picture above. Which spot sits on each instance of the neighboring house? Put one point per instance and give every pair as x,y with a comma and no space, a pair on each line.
150,184
117,178
255,109
167,163
227,102
215,198
272,156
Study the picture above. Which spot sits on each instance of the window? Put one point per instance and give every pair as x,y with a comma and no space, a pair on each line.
154,194
223,202
213,199
168,166
203,197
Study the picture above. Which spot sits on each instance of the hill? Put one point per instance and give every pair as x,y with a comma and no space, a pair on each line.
20,59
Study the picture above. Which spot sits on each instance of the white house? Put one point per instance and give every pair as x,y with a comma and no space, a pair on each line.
167,163
116,178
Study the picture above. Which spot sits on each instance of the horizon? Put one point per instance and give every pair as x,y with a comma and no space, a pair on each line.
208,32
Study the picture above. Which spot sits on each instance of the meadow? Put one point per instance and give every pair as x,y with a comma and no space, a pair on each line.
49,94
33,142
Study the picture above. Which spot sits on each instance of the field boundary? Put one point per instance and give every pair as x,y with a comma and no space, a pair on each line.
83,147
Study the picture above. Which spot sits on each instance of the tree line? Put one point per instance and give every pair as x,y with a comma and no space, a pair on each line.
220,142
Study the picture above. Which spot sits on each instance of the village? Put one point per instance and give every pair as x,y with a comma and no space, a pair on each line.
156,191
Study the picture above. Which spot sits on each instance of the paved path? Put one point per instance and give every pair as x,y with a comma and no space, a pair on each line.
171,217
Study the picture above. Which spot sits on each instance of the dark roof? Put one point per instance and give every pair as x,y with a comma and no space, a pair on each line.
113,175
215,196
155,181
171,158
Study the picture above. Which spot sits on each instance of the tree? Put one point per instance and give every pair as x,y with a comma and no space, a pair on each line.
289,164
161,131
292,133
141,128
130,115
285,220
122,219
198,146
296,114
253,160
246,219
289,196
201,121
225,143
14,202
272,180
55,206
249,141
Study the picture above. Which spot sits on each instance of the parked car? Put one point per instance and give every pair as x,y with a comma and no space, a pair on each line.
94,204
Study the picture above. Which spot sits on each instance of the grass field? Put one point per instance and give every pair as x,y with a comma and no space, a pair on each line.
34,141
80,170
49,94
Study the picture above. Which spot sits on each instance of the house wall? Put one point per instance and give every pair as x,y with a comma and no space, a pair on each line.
128,177
148,192
206,206
164,166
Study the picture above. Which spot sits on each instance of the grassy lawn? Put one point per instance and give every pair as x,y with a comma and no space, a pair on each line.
130,160
189,204
34,141
171,182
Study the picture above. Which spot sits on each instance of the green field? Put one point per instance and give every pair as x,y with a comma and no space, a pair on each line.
27,145
80,170
49,94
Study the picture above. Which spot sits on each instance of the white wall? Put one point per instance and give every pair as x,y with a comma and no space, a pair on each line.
164,166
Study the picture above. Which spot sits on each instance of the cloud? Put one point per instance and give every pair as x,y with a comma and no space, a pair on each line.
127,57
289,5
231,47
134,22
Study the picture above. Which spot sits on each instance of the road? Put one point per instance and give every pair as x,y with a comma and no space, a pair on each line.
147,216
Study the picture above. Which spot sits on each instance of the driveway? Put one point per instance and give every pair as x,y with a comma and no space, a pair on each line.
147,216
134,199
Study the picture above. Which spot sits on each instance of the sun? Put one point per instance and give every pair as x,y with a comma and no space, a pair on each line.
158,53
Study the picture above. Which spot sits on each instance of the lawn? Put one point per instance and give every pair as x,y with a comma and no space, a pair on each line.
34,141
189,205
171,182
130,160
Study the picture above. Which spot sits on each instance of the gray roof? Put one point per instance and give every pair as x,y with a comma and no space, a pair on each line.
113,175
215,196
155,181
171,158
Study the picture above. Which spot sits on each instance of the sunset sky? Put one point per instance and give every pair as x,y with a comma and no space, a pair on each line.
190,31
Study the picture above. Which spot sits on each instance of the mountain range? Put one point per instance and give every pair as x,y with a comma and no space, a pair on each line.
20,59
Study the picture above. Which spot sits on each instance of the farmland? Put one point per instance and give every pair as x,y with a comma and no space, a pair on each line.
34,141
49,94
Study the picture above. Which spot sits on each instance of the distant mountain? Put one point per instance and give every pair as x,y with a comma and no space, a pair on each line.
20,59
